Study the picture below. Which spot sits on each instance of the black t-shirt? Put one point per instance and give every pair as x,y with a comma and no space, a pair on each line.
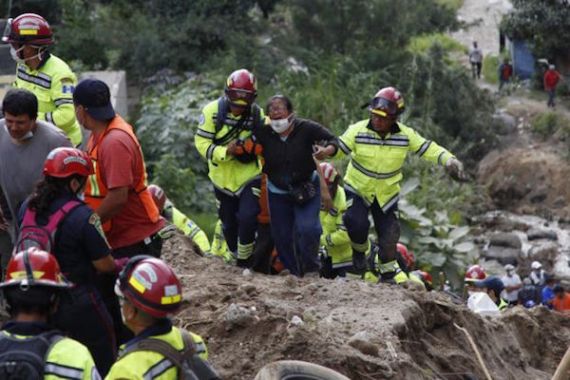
79,240
290,161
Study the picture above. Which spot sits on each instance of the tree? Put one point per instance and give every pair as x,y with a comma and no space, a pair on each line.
545,24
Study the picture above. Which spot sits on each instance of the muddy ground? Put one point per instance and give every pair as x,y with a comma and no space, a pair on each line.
362,330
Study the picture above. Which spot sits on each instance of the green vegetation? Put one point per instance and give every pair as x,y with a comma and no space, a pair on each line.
451,4
490,68
548,123
422,44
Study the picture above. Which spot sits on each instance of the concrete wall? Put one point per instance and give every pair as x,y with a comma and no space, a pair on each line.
117,82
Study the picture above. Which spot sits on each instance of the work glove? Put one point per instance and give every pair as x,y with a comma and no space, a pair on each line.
454,168
167,232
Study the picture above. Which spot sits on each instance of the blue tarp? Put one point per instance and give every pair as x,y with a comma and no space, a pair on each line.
523,60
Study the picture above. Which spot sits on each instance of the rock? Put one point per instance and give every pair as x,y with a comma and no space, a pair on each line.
503,255
248,288
544,252
297,321
505,239
508,123
238,316
539,233
361,341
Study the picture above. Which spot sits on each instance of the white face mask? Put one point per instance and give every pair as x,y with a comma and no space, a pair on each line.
280,125
15,54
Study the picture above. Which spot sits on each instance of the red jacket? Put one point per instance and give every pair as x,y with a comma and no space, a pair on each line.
551,78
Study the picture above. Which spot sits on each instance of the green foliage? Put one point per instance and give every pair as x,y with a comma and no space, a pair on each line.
545,24
421,44
547,123
490,68
451,4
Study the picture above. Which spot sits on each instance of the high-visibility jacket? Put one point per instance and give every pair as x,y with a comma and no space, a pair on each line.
145,365
96,190
53,84
219,247
187,226
66,359
503,305
375,168
335,238
225,171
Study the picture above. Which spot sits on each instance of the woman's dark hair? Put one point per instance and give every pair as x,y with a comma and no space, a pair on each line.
36,299
48,190
282,98
20,102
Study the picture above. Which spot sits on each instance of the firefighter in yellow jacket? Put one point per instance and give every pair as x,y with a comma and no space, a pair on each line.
377,148
178,219
225,124
42,73
149,291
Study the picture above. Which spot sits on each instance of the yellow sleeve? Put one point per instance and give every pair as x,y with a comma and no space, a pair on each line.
190,229
205,135
63,116
426,149
340,235
70,359
346,142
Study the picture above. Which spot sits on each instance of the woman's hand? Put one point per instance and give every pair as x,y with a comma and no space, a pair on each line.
320,152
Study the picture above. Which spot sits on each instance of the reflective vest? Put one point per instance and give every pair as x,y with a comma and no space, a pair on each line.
503,305
375,167
187,226
335,237
66,359
96,190
145,365
226,173
53,84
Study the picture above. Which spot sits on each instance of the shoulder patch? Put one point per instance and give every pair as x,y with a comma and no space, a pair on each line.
202,119
95,221
67,88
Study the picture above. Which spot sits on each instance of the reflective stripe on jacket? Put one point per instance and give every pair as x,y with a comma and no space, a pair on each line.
375,168
226,173
139,365
53,84
96,190
335,236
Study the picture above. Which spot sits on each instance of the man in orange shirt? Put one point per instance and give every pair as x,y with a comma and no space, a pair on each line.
561,300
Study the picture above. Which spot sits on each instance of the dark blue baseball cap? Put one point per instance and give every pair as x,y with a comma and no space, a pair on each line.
95,97
491,282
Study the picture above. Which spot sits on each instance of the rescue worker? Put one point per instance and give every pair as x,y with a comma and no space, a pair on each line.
80,247
149,292
336,252
32,288
493,286
42,73
176,217
474,273
406,260
378,147
224,124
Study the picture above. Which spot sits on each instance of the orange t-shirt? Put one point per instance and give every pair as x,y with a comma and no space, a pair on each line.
561,304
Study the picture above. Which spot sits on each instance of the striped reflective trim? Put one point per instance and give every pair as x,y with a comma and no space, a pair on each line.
391,141
341,227
439,158
244,250
344,147
329,240
373,174
342,265
41,79
420,152
158,369
391,203
333,211
63,371
193,232
389,267
95,191
206,134
59,102
210,151
49,118
200,347
360,247
256,191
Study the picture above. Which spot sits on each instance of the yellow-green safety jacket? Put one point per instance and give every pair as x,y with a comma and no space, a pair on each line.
375,168
219,247
503,305
187,226
53,84
66,359
150,365
226,173
335,238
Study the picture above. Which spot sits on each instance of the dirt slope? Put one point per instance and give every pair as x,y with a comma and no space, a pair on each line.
362,330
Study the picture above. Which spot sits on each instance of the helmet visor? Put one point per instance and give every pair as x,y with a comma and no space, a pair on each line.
383,107
241,97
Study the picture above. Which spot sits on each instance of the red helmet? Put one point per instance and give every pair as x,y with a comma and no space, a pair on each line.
329,173
28,28
158,196
426,277
388,102
241,88
150,285
408,256
475,273
33,267
64,162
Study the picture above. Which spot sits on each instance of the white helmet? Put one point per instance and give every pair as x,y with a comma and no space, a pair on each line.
535,265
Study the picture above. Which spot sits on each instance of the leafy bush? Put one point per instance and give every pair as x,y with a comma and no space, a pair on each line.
421,44
490,68
547,123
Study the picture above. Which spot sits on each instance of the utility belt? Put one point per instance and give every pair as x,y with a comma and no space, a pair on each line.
151,245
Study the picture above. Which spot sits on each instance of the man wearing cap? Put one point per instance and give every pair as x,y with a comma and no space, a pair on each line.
150,292
42,73
25,143
537,274
493,286
118,190
512,282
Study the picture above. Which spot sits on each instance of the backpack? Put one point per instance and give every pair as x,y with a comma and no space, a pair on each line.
42,237
190,365
24,359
